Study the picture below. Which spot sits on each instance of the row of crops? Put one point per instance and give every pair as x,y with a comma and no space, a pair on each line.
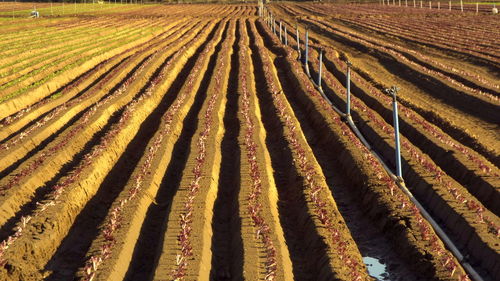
187,142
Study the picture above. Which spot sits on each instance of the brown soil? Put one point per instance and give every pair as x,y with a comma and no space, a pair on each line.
202,151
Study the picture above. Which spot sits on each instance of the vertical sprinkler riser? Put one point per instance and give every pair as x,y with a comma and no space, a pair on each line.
348,87
307,54
393,91
320,67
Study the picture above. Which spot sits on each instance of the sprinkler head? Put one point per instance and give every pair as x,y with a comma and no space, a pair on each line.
392,91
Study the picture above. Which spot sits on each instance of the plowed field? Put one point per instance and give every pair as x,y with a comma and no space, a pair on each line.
187,142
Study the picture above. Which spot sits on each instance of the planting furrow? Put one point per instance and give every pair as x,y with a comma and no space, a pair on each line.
303,187
33,76
478,92
455,74
55,80
187,241
41,130
465,165
265,252
391,210
227,245
73,90
27,74
446,91
32,55
26,58
455,208
27,177
26,65
463,78
30,45
378,133
70,193
452,123
405,34
118,199
150,240
369,239
478,175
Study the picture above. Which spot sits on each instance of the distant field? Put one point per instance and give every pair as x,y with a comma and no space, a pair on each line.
20,10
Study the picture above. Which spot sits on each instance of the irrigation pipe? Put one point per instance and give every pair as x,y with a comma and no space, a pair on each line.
398,180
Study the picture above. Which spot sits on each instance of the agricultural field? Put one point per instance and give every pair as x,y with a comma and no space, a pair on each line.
196,142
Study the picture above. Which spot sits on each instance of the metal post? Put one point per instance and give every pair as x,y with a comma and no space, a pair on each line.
286,37
393,91
462,5
477,8
307,54
298,42
348,86
320,67
449,5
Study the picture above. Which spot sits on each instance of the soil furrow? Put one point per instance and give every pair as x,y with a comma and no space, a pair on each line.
227,247
188,142
14,197
478,177
303,186
385,203
69,92
92,169
32,140
71,255
414,96
187,240
369,239
13,105
149,240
